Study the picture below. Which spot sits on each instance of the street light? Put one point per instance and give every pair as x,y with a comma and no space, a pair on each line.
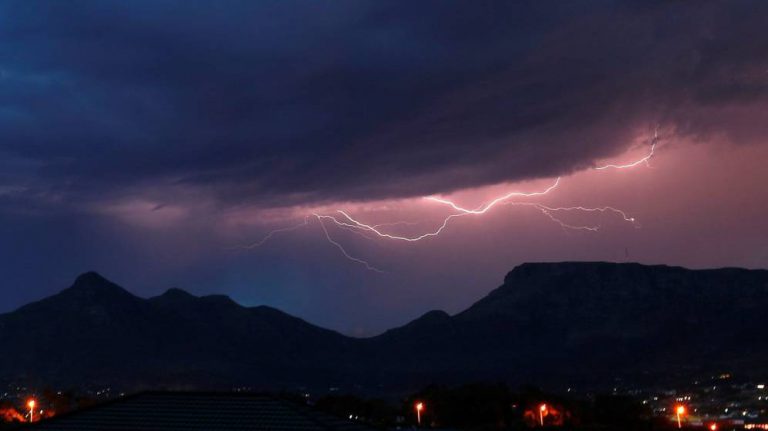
713,427
542,410
419,408
31,405
680,412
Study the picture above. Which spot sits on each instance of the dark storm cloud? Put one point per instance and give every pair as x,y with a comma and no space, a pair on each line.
291,102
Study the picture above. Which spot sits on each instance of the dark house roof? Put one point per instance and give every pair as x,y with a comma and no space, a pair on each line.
172,411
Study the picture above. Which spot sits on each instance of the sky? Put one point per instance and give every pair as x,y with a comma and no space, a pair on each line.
210,146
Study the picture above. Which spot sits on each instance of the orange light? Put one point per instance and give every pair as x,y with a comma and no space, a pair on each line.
680,412
419,408
713,427
543,408
31,404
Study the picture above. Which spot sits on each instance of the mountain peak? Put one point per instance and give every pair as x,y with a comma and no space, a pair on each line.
90,278
176,294
94,284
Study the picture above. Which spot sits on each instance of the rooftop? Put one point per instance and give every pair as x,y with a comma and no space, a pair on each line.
171,411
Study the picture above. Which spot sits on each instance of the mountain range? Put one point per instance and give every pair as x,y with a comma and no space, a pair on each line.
549,323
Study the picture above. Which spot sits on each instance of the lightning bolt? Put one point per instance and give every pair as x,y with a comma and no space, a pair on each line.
548,211
605,209
485,208
272,233
347,222
327,235
341,248
352,223
568,226
355,224
636,162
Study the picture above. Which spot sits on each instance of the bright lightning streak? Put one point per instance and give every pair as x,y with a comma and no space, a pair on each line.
353,223
636,162
629,165
341,248
360,228
483,209
549,210
356,231
546,210
359,225
597,209
565,225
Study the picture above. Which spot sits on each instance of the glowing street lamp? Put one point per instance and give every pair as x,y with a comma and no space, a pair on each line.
31,405
680,410
419,409
542,410
713,427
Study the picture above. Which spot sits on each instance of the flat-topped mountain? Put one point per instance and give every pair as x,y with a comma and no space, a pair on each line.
549,322
591,322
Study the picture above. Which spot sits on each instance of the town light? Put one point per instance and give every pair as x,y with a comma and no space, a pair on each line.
419,409
31,405
713,427
542,411
680,412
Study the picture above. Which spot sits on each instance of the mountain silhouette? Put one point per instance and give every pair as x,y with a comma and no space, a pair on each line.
549,323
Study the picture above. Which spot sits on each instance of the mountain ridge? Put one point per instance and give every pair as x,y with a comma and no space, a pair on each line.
628,319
